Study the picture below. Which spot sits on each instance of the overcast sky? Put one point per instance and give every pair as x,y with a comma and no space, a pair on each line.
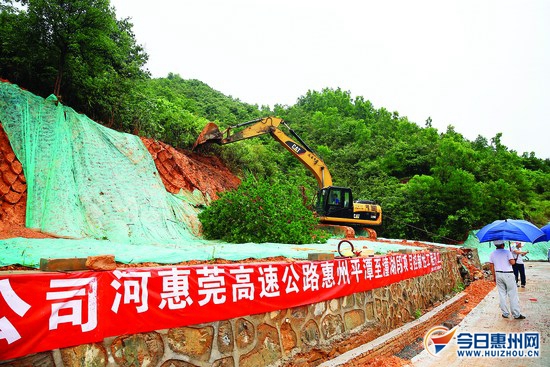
482,66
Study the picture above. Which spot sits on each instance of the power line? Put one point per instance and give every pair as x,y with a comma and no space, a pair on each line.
422,230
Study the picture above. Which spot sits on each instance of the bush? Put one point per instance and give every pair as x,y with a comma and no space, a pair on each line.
259,211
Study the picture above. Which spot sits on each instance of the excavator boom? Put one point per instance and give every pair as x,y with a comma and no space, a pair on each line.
269,125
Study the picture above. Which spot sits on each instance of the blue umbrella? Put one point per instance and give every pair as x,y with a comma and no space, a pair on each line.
546,231
509,230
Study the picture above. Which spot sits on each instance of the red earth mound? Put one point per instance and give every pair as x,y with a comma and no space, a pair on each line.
190,171
13,187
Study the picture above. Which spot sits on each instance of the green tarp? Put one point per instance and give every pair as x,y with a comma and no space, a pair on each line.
87,181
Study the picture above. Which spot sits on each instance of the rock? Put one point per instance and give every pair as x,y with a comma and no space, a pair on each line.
101,262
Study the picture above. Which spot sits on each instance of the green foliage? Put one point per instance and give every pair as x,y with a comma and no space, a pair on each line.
432,186
199,99
260,211
74,49
175,110
459,287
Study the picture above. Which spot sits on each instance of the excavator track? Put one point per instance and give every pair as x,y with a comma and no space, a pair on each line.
362,232
349,232
371,232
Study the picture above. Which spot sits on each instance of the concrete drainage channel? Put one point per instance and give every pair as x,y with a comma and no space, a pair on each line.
391,343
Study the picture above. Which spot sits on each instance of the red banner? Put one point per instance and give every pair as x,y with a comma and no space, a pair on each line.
45,311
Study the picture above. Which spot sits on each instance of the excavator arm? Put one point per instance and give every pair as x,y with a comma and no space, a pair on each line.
269,125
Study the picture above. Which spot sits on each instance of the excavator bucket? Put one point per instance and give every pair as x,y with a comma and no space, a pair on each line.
210,134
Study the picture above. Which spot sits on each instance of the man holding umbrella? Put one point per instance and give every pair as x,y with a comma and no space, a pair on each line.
502,260
501,264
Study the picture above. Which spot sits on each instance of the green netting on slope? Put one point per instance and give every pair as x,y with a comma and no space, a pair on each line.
87,181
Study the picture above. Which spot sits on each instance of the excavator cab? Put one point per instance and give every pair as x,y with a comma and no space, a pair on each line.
333,201
336,205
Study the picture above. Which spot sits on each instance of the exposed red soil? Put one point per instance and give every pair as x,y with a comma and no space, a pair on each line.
13,187
13,231
185,170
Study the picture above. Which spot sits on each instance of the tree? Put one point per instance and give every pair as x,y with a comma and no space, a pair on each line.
75,49
261,211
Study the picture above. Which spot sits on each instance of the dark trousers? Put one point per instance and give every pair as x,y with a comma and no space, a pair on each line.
519,272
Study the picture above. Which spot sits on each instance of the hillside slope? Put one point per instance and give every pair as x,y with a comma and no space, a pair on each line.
67,155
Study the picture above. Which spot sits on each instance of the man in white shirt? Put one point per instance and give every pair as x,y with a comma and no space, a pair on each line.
501,265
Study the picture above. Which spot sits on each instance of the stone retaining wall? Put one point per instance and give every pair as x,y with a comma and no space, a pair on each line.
290,336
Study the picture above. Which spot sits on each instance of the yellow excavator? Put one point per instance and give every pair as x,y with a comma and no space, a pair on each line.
334,205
